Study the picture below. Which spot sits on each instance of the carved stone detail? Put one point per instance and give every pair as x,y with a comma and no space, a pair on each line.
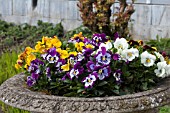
13,93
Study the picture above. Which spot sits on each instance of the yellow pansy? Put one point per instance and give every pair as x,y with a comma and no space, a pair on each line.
44,39
66,67
40,48
56,42
79,46
28,50
63,53
80,36
89,46
22,56
30,58
73,53
49,43
26,66
17,66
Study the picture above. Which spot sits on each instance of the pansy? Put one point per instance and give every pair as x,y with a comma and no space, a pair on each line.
79,46
78,37
72,59
103,57
121,44
52,55
35,76
160,56
90,80
161,71
102,72
87,52
130,54
35,66
147,59
98,38
30,58
75,71
66,67
63,53
107,46
80,57
90,66
116,56
117,74
30,81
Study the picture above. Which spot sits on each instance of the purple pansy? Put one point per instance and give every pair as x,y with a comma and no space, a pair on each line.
30,81
86,41
73,60
102,72
90,80
117,74
52,55
103,57
35,66
75,71
80,57
98,38
90,66
60,63
116,57
87,52
35,76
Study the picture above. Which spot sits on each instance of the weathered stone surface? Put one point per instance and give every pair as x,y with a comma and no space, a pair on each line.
14,93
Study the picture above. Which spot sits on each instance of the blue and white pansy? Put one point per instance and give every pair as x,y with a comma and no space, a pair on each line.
147,59
102,72
90,80
103,57
75,71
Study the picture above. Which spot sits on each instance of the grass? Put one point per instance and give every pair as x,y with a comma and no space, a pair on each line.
7,70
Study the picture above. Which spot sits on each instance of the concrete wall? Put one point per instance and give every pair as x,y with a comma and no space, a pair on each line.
151,16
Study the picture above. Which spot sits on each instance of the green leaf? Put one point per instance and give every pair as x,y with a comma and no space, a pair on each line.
100,92
80,90
102,83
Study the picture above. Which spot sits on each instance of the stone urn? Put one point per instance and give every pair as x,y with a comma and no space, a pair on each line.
14,93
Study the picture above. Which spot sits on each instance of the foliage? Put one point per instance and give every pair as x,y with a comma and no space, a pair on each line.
162,44
84,67
24,34
9,109
7,61
7,69
165,109
97,14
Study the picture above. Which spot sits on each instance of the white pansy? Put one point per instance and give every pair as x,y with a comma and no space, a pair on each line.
147,59
161,71
107,45
121,44
159,56
130,54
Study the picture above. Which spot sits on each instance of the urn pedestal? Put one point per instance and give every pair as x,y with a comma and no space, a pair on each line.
14,93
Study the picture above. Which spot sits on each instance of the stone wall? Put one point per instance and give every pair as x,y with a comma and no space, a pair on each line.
151,16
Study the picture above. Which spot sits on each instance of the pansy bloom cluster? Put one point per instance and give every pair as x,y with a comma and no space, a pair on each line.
96,66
